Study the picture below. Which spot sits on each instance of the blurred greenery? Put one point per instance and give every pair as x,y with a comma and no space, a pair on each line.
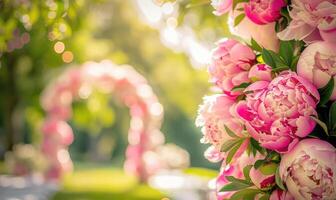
96,30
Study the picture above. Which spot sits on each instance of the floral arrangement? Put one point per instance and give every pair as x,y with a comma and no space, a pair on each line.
273,123
144,155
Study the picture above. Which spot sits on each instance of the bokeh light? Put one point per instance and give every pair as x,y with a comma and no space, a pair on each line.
67,57
59,47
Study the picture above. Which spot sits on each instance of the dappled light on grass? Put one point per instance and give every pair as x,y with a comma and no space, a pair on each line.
105,183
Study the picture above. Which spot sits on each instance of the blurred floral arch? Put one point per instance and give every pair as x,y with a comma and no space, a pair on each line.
145,154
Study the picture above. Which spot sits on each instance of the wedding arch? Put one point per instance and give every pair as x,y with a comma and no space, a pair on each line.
126,84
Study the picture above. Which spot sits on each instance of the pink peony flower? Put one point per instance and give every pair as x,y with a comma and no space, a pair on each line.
265,35
311,20
309,170
277,113
264,11
260,72
281,195
216,112
221,6
317,64
230,63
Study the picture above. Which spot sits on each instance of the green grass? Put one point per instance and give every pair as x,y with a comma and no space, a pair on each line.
104,184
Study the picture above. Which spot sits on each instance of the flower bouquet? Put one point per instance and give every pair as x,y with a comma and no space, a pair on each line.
273,123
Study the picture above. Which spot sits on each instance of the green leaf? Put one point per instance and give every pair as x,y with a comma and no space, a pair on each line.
278,180
240,87
246,194
255,145
238,19
294,63
332,116
226,146
235,186
236,180
272,156
322,124
268,169
259,163
273,59
284,12
233,151
286,51
268,59
279,61
255,45
279,69
246,172
230,132
326,92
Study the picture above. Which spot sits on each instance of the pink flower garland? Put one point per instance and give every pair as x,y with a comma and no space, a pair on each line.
146,115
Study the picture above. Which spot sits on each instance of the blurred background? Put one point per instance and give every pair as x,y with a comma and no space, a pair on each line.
168,42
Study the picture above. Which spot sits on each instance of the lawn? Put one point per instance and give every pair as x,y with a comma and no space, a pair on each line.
104,184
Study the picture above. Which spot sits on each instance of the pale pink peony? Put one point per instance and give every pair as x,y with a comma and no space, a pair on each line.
265,35
230,63
260,72
221,6
281,195
213,114
309,170
317,64
277,113
311,21
264,11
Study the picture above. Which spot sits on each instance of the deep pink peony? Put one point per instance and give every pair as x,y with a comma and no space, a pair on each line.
260,72
264,11
230,63
309,170
221,6
213,114
281,195
277,113
317,64
311,21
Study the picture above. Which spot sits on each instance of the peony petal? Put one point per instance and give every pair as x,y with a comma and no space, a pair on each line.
244,111
297,30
